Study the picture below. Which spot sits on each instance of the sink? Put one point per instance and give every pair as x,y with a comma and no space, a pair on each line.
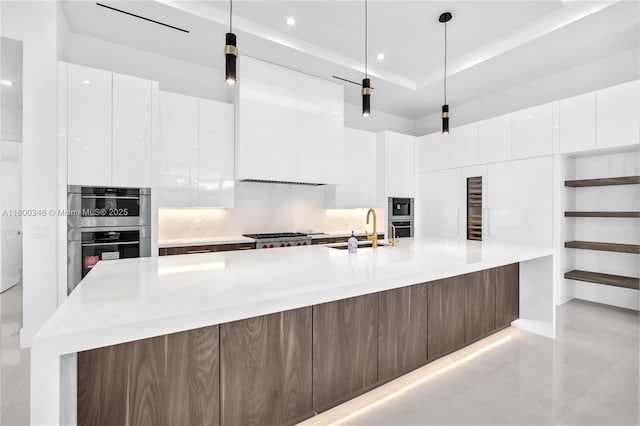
360,245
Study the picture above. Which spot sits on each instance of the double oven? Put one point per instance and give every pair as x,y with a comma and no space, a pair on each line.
105,224
401,216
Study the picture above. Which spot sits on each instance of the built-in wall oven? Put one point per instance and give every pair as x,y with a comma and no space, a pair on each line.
401,216
105,224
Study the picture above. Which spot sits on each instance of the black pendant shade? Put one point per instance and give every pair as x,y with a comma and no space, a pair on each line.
445,119
231,54
366,97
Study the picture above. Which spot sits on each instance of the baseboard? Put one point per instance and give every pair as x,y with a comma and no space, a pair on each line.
615,296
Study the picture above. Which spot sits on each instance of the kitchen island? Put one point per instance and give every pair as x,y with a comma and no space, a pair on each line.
273,336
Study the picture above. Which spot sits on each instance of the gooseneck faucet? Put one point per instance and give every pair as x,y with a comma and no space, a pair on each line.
373,238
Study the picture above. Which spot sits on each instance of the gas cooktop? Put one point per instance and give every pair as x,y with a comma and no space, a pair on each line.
275,235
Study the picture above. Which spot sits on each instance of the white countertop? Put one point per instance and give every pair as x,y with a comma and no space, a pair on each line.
131,299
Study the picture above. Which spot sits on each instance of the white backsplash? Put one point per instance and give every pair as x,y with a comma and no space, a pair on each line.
262,207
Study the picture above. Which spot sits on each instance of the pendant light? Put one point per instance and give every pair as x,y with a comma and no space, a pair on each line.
444,18
366,82
230,51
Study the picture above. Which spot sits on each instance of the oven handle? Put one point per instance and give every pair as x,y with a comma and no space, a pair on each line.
111,244
119,197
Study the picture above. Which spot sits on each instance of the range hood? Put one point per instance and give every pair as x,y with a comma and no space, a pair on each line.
282,182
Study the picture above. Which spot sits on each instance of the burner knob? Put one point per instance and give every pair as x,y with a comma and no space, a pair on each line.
304,244
271,246
265,246
282,245
297,244
288,244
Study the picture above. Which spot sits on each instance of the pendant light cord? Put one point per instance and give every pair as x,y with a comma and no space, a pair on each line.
230,15
366,40
445,63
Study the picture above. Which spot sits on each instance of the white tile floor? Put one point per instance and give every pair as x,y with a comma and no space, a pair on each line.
14,367
588,376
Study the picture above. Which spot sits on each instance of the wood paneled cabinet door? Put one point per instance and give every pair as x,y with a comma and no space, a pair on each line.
164,380
446,317
480,306
265,369
507,284
345,339
402,331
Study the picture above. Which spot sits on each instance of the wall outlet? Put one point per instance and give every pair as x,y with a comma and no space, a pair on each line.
197,224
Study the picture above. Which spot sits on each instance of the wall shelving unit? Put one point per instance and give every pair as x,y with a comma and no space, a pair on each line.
597,277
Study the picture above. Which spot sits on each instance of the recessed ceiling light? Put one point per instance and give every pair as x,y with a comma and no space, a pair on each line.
291,20
6,83
86,82
380,56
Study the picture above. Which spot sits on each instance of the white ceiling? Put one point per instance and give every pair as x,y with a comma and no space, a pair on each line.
493,45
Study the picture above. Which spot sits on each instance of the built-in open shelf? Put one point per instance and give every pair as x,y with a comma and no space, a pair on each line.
589,245
606,279
602,214
625,180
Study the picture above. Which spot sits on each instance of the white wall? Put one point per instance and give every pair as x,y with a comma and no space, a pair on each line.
262,207
604,72
173,74
35,24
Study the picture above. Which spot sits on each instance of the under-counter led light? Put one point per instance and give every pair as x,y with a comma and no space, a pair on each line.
380,56
291,20
6,83
403,391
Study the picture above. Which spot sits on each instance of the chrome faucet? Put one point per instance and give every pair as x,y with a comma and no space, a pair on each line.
373,238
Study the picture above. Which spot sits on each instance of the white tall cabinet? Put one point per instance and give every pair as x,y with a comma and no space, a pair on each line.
196,152
109,128
439,205
289,127
358,189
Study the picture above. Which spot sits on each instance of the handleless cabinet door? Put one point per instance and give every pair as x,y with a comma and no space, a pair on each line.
265,369
494,139
283,133
464,145
618,115
532,131
365,159
434,153
89,126
506,280
578,123
333,133
440,205
402,331
216,177
480,306
408,183
345,340
393,163
131,131
178,181
253,126
446,316
309,138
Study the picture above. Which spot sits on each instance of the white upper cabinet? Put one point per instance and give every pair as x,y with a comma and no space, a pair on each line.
216,180
399,164
178,180
532,134
89,126
578,123
464,145
434,153
618,115
494,139
131,131
196,152
289,125
358,188
110,125
253,124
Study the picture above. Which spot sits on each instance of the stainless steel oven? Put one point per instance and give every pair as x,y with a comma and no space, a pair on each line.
401,216
105,224
99,206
